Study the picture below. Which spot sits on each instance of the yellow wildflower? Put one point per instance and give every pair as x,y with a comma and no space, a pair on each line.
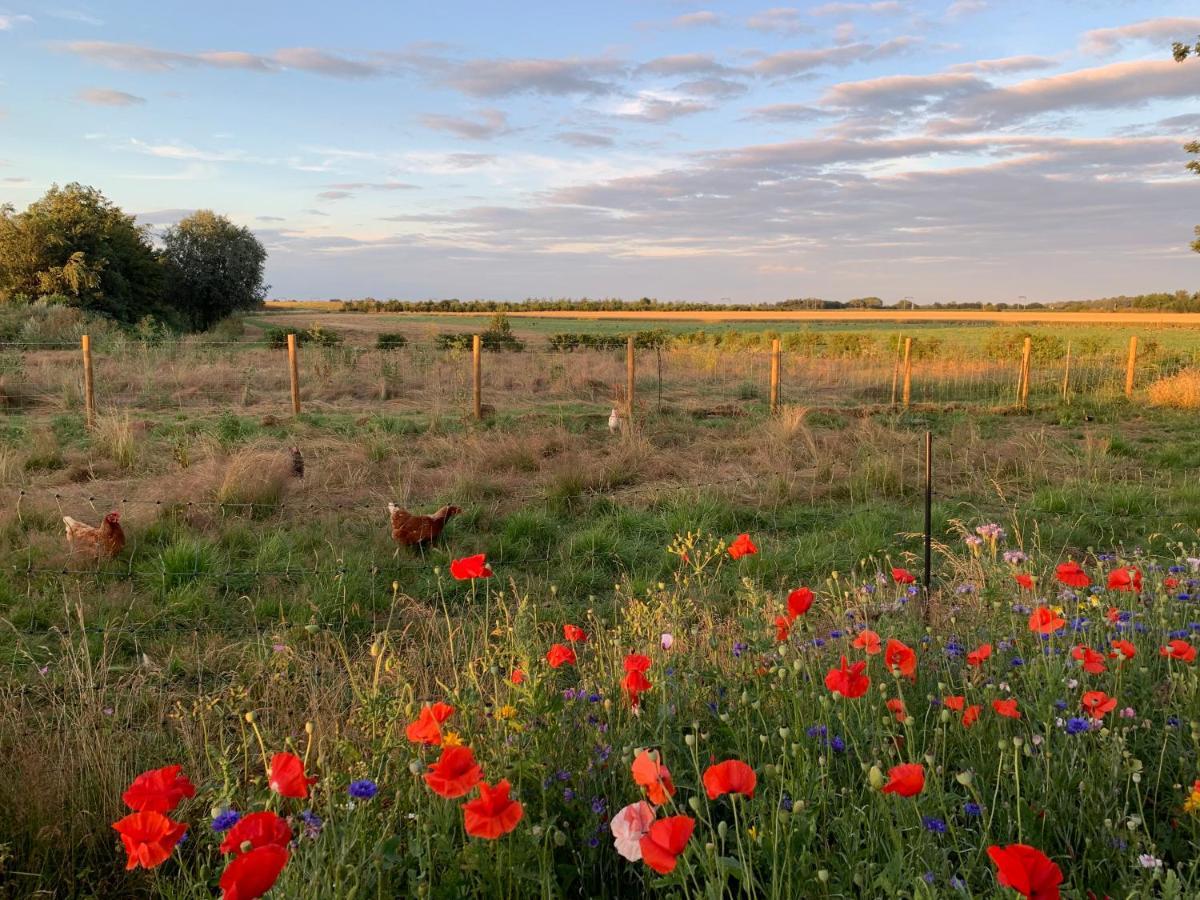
451,739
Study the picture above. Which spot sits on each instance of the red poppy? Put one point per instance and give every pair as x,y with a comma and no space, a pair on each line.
1180,650
257,829
907,780
1125,580
470,567
517,676
665,842
1024,580
743,546
1098,703
954,702
427,728
574,634
783,627
158,790
896,708
149,838
1092,662
729,777
799,602
979,655
253,874
1072,575
652,775
1124,651
637,662
1113,615
867,641
1043,621
1170,582
455,773
560,655
635,684
287,778
1026,870
1006,708
493,813
970,715
849,682
901,659
903,576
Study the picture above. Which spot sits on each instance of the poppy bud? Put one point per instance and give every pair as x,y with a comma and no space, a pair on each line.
964,778
375,649
694,803
822,875
1018,741
690,740
559,838
415,767
311,629
875,778
724,717
722,830
249,717
216,810
536,831
929,759
762,739
308,728
909,721
395,586
784,732
607,704
944,716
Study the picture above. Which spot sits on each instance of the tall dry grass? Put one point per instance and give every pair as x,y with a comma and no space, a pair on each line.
1178,391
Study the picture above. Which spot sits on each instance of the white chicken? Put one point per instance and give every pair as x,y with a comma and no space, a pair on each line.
614,421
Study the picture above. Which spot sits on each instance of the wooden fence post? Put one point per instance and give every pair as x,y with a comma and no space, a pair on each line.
775,376
1131,366
477,376
630,373
89,387
896,368
907,397
1066,385
1023,381
294,369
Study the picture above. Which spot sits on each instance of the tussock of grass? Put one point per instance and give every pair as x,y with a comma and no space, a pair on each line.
253,480
1178,391
114,433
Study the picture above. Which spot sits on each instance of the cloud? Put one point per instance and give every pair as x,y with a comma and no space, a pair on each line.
109,97
712,88
787,112
177,150
505,77
652,107
467,160
15,180
151,59
270,219
374,186
75,15
790,63
163,216
1006,64
700,19
585,139
489,123
684,64
335,195
7,23
885,7
1103,41
961,8
781,19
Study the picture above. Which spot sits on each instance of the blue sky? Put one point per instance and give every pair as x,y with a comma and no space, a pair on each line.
938,149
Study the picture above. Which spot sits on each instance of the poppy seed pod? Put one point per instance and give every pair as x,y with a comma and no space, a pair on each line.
875,778
722,830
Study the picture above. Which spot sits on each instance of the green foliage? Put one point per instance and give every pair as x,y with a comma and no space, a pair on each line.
390,341
317,335
1009,344
213,268
75,243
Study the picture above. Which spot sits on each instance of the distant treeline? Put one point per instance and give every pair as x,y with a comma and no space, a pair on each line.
1179,301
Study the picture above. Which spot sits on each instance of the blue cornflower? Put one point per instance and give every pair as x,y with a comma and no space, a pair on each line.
594,698
937,826
837,744
568,794
818,642
1060,704
817,731
1180,634
972,809
364,789
599,805
603,751
562,775
593,842
785,802
835,634
226,820
958,884
739,648
1076,725
1016,661
1172,721
929,877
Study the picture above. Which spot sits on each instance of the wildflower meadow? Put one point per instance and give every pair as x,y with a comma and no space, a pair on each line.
1029,731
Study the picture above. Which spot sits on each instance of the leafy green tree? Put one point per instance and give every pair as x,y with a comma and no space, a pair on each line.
213,268
77,243
1182,52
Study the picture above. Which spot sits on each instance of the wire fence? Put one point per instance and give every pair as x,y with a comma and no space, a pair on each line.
253,378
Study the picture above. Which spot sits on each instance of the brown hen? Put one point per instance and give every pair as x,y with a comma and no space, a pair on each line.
409,530
87,540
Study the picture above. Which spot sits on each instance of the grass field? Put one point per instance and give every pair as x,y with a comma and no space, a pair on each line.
244,590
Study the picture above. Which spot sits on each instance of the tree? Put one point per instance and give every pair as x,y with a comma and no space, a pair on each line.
213,268
77,243
1182,52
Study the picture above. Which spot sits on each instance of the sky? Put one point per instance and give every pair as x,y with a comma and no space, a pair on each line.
993,150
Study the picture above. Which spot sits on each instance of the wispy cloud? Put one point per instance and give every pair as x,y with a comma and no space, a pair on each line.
884,7
109,97
487,123
780,19
700,19
1103,41
8,22
151,59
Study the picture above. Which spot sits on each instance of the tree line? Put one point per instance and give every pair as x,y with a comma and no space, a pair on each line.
77,248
